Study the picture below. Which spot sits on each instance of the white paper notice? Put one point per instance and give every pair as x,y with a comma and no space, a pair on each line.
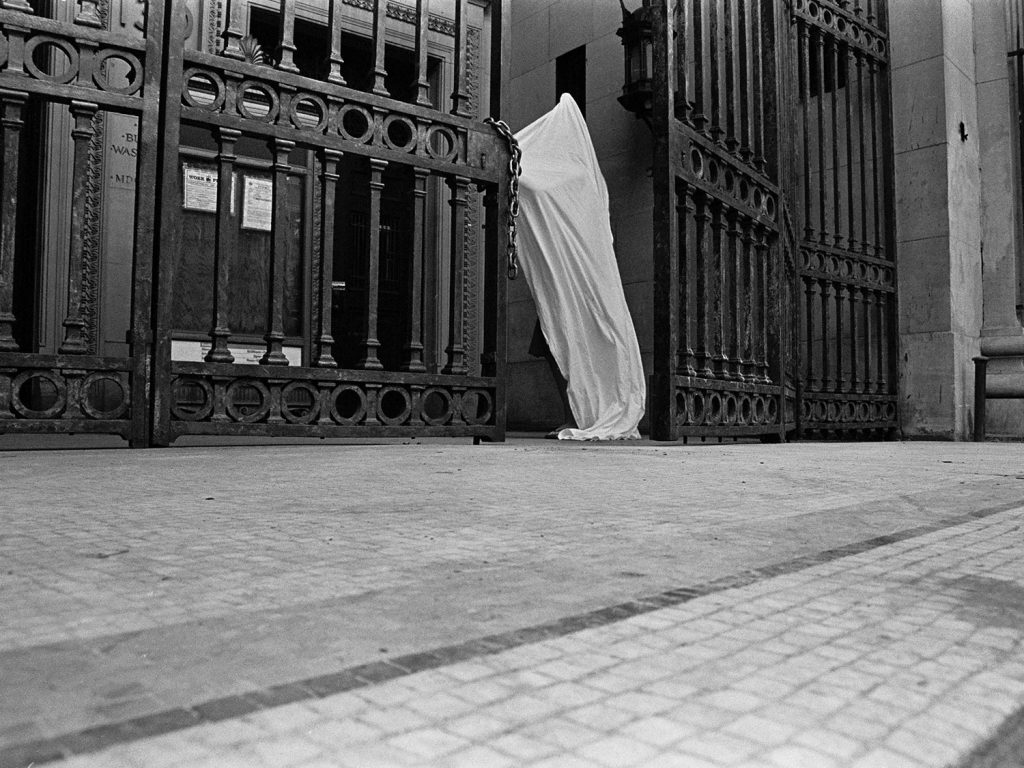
258,204
200,189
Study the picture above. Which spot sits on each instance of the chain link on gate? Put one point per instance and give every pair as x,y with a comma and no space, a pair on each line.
515,170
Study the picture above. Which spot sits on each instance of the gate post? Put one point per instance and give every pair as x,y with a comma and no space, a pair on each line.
666,230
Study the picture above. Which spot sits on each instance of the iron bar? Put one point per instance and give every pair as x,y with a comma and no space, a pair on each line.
826,335
757,53
837,194
414,345
855,294
870,341
720,361
863,166
735,297
681,31
823,195
748,357
286,43
731,89
811,290
371,344
460,97
687,239
700,113
705,242
883,340
279,237
329,160
765,314
224,246
743,19
851,235
380,22
421,84
455,350
12,105
875,209
335,60
82,133
715,71
804,76
840,290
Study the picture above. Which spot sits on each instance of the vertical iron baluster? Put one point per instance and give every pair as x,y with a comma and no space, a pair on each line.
233,30
687,238
744,84
881,339
414,346
322,355
279,237
826,335
855,294
747,358
682,104
757,51
811,291
715,70
871,11
74,326
456,353
702,222
876,192
863,155
422,25
837,194
819,46
735,297
12,104
380,22
334,58
731,91
371,344
766,315
870,341
720,360
286,44
804,75
851,234
223,247
460,98
840,290
700,113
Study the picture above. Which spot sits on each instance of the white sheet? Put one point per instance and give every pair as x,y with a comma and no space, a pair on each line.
568,259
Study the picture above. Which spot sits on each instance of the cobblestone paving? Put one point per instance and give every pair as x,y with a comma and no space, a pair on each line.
135,584
907,655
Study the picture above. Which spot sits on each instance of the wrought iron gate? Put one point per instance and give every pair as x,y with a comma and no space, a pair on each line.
318,238
774,270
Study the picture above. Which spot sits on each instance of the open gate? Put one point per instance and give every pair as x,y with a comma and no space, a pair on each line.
774,259
318,234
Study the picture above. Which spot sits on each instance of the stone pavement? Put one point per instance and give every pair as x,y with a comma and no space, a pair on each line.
531,603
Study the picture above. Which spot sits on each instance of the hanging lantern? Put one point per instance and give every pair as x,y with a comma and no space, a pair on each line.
638,42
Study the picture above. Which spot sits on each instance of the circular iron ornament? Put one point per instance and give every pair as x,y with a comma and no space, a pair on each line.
358,138
773,410
728,181
293,417
769,207
244,110
696,407
759,410
681,411
697,163
483,396
812,10
59,403
864,412
806,410
191,414
391,125
849,412
744,190
403,415
746,410
69,50
713,171
358,414
306,125
135,66
438,133
110,413
213,78
713,415
889,411
832,413
238,411
447,412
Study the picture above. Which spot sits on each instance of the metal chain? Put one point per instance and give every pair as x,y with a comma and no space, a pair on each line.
515,170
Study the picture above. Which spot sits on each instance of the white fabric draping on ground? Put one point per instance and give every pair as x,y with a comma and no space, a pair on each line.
568,259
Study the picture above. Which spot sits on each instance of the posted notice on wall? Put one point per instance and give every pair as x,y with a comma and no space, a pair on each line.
258,204
200,187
